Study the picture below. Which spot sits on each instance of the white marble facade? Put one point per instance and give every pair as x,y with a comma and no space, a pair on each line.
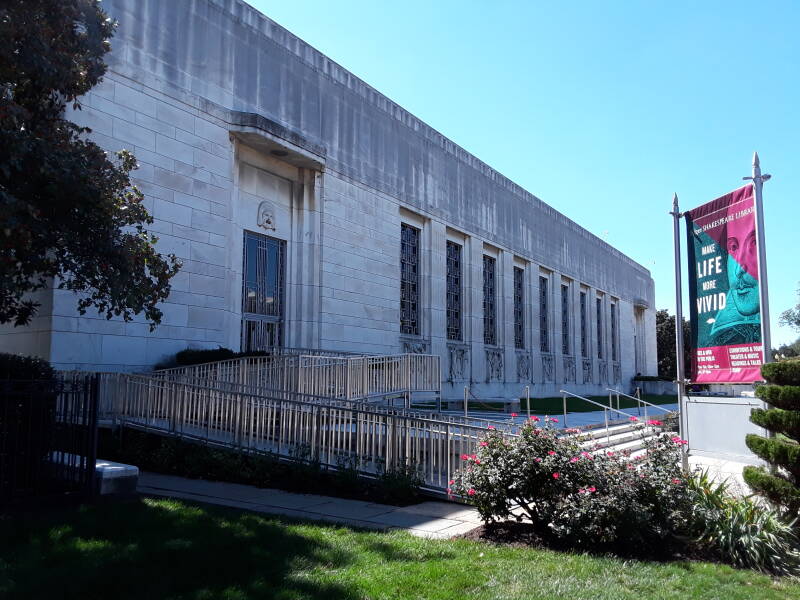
247,128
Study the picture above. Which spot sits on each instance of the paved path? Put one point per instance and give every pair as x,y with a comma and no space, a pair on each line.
427,519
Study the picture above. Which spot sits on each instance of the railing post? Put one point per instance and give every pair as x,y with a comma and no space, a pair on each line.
466,410
564,397
528,399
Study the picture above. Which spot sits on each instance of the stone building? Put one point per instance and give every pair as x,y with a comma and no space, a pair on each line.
311,211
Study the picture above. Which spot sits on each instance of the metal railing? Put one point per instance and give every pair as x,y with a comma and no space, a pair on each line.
565,393
640,402
337,377
330,433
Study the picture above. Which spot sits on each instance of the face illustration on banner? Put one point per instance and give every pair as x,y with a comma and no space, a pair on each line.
740,322
743,263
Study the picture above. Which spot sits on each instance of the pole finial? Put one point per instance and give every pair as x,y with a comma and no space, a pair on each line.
675,201
756,162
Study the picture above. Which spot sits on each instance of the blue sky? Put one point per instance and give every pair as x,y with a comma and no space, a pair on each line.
602,110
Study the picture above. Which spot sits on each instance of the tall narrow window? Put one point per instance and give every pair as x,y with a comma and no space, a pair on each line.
614,317
409,280
519,307
263,288
544,324
565,321
489,302
454,291
584,328
599,306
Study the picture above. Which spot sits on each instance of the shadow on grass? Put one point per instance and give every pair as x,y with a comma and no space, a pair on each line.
149,549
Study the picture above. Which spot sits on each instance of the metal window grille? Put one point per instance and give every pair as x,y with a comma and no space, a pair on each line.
409,280
599,305
614,331
489,302
544,332
454,291
584,328
263,292
565,320
519,310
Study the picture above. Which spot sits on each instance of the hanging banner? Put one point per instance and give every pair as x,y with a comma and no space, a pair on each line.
724,299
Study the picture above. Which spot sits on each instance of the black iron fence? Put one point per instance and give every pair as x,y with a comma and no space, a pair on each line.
48,439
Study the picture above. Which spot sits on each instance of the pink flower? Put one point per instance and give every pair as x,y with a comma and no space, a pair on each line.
630,467
678,440
574,459
473,456
554,420
513,415
556,475
470,492
484,444
451,482
535,419
449,492
609,454
477,461
591,489
537,459
581,491
551,452
632,419
654,422
585,454
490,427
464,457
676,481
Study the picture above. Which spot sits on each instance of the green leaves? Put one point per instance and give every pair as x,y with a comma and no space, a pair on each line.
69,216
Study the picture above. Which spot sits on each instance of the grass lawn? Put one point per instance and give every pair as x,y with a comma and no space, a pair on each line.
152,549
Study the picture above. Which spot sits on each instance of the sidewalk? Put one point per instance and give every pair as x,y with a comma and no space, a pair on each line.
428,519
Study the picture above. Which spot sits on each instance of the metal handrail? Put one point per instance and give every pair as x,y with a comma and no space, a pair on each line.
605,408
639,400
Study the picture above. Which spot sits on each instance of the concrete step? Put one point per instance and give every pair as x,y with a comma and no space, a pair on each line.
617,439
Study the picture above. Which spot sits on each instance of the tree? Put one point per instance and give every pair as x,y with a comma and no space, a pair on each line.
665,345
791,316
788,350
780,485
69,216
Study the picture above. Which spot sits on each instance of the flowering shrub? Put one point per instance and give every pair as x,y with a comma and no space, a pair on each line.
586,499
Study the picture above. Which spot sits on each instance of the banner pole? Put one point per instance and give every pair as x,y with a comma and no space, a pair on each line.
679,364
763,285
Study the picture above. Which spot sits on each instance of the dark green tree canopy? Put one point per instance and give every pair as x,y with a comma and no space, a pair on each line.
665,345
69,216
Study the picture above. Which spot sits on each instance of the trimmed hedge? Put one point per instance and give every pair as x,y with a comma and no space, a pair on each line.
784,372
151,452
786,397
25,368
781,484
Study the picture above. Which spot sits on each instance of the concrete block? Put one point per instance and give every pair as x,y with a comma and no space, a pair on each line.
203,284
133,135
115,478
205,129
172,212
155,125
181,119
208,222
205,318
138,101
168,146
207,253
210,192
173,181
214,164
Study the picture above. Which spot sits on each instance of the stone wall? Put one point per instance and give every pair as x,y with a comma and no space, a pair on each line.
203,90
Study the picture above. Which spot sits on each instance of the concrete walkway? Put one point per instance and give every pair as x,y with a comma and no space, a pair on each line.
428,519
